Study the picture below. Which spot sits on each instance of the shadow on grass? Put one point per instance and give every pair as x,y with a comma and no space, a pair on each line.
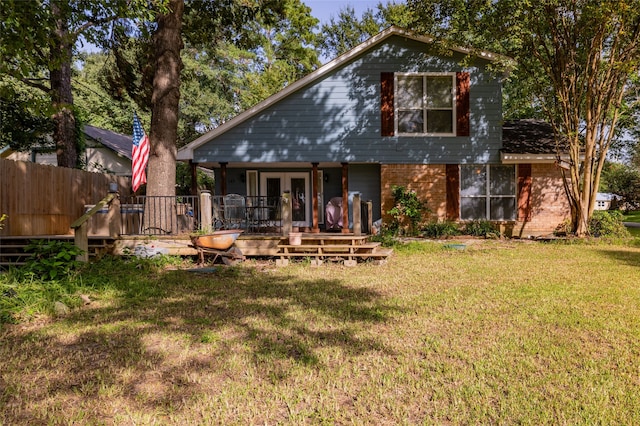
170,328
629,257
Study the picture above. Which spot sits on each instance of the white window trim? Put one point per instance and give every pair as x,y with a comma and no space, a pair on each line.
424,109
488,196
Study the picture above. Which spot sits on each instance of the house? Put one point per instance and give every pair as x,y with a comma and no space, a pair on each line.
395,110
106,152
607,201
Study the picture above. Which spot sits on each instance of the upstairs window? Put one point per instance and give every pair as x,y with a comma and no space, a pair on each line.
425,104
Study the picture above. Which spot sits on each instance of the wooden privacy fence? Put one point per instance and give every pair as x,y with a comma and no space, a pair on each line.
44,200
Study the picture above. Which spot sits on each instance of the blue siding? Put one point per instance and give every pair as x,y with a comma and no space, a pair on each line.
337,118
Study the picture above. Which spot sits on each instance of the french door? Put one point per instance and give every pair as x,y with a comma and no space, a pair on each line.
273,184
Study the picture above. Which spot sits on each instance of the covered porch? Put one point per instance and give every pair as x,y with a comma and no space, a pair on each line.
249,195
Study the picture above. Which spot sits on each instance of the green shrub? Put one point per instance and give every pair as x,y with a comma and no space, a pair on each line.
607,224
407,211
51,260
481,228
386,236
440,230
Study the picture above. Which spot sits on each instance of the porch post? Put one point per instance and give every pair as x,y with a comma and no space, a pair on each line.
357,219
223,178
345,198
287,222
314,193
205,212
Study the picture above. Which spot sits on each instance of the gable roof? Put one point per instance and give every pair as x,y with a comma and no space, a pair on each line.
186,152
117,142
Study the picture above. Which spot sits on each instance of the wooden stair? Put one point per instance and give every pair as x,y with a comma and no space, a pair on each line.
347,248
12,248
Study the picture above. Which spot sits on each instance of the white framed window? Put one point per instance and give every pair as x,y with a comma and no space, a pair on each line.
425,104
488,192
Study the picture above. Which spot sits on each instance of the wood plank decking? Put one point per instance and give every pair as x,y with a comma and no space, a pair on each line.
348,248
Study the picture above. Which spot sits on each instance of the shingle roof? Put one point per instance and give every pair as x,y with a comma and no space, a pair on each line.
116,141
528,136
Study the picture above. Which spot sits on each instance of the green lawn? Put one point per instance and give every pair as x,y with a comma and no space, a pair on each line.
502,332
633,217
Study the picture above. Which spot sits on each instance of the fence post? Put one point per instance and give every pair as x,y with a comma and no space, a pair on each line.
205,211
369,216
81,240
357,220
114,217
287,222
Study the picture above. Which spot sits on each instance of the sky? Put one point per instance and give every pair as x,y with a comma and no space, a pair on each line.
325,9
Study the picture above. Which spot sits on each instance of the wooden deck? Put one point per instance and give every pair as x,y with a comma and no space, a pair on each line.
347,248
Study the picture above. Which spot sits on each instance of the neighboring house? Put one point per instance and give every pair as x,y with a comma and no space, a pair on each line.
106,152
396,110
606,201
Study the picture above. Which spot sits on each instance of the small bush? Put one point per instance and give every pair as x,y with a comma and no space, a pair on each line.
607,224
407,211
51,260
386,236
440,230
481,228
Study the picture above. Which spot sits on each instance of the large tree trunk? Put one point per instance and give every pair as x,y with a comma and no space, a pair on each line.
64,133
161,173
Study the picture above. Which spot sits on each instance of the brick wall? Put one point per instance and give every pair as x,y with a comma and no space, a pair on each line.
427,180
549,206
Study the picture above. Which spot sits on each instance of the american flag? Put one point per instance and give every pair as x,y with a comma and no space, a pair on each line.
140,154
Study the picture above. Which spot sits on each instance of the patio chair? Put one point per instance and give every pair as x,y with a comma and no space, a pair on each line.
217,212
234,211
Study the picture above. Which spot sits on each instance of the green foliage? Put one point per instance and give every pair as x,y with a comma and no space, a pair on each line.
624,181
440,229
386,236
347,30
25,294
407,210
607,223
51,260
3,217
481,228
25,119
573,61
183,180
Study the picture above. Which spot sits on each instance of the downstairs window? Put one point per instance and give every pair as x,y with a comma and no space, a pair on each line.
488,192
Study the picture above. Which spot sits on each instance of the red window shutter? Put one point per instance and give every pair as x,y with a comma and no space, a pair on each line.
453,192
462,103
386,104
524,192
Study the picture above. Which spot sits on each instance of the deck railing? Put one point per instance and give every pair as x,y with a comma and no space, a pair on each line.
168,215
159,215
177,215
254,214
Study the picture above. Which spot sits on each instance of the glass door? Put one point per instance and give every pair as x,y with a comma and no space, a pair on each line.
273,184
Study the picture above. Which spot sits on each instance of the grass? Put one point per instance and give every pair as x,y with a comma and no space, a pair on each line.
501,332
634,217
